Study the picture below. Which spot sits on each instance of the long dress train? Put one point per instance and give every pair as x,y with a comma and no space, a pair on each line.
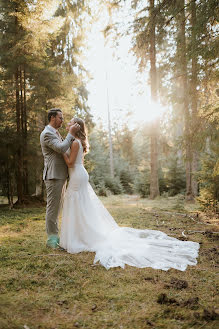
88,226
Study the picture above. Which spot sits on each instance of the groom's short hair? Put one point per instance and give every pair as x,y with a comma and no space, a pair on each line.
53,113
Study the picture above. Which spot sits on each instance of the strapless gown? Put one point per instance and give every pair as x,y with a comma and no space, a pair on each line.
88,226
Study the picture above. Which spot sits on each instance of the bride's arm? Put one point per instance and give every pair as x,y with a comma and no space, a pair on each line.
70,160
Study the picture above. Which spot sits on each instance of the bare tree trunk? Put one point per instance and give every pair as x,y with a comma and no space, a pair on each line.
108,112
10,190
39,176
22,148
19,164
9,181
39,185
110,138
195,157
25,137
154,182
19,159
183,66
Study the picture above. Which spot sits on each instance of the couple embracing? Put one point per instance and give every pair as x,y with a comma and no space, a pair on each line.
86,224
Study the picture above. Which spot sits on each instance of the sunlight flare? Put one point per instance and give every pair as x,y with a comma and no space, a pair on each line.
153,110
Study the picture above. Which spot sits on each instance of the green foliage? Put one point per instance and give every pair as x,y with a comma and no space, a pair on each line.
113,184
175,177
102,190
42,42
207,200
209,181
126,180
97,164
179,203
142,183
97,160
40,68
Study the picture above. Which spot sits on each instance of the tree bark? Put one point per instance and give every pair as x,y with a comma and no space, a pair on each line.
154,182
39,176
9,181
25,135
182,50
194,79
19,159
19,164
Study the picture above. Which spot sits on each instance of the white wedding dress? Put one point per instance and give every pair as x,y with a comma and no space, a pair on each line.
88,226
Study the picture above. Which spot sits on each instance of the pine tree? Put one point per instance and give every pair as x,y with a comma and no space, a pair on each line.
37,74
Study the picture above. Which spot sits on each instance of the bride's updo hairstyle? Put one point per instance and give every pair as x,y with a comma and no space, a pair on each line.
82,134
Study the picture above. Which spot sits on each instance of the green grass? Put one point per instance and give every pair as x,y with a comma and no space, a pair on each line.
42,288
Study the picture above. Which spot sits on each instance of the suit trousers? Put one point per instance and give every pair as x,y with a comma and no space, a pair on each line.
54,191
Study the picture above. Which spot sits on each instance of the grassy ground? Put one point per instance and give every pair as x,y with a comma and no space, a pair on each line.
42,288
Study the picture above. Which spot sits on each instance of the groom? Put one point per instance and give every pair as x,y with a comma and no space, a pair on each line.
55,170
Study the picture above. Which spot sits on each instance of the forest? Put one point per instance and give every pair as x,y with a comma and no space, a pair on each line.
157,174
41,66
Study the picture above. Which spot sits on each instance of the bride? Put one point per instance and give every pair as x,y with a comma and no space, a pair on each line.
88,226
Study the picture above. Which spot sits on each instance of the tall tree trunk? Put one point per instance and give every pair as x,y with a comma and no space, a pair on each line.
9,180
22,148
109,132
19,164
184,79
195,157
39,176
39,187
25,136
154,182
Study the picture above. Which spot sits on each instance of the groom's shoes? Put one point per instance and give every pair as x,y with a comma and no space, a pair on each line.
60,248
53,242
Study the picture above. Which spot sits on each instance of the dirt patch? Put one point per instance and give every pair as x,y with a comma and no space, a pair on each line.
176,284
182,238
148,278
163,299
214,236
192,303
207,315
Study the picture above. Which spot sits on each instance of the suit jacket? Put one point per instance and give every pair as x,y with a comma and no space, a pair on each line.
53,148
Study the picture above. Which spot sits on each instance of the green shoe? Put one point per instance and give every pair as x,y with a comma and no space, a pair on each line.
53,241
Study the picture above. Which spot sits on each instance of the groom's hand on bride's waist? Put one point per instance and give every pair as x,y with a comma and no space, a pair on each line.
74,128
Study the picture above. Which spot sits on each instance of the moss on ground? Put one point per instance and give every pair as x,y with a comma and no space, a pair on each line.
42,288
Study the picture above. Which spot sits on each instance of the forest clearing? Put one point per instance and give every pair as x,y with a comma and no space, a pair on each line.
44,288
120,99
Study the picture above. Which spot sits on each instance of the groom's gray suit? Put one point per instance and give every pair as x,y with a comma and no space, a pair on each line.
54,174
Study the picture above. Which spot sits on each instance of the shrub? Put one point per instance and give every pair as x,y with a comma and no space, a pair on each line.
142,184
113,184
209,183
126,181
207,201
102,190
176,182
